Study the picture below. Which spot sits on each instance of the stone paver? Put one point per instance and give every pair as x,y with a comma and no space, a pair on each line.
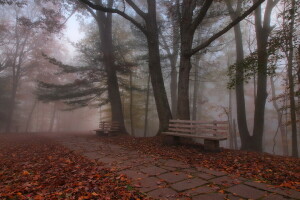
149,184
153,170
188,184
213,196
275,197
246,191
163,193
200,190
136,175
175,164
173,177
204,175
168,178
225,181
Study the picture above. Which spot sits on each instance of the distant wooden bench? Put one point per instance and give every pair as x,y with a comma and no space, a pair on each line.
212,132
108,128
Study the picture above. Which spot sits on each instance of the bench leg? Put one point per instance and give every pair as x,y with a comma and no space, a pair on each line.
99,133
211,145
171,140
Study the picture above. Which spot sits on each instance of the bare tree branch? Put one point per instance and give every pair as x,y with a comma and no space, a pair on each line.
136,9
201,14
227,28
113,10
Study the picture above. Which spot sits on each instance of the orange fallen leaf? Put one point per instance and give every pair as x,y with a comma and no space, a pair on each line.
25,173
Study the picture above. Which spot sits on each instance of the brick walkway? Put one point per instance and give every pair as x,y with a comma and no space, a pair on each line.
171,179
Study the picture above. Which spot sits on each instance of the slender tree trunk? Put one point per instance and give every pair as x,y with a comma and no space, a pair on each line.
52,118
147,107
239,76
105,29
279,119
291,82
231,145
160,95
11,108
131,105
263,30
30,116
234,134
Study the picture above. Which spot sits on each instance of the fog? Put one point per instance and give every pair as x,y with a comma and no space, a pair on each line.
55,77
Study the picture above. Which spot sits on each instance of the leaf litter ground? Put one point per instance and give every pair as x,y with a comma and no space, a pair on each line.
261,167
36,168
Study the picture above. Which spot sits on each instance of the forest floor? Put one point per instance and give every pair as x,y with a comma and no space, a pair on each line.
85,166
34,167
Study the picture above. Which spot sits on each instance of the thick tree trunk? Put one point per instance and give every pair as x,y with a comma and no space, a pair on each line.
173,86
160,95
188,26
260,101
195,97
183,109
105,29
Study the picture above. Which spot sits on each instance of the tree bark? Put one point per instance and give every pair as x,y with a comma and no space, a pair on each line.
104,22
195,94
30,116
160,95
147,107
279,119
239,76
291,82
52,117
263,30
131,105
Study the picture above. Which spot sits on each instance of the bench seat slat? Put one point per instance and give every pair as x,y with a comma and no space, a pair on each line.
198,127
196,122
195,136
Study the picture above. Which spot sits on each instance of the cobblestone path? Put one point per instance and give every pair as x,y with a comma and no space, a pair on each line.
171,179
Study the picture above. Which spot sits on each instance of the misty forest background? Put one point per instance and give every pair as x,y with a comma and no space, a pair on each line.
143,62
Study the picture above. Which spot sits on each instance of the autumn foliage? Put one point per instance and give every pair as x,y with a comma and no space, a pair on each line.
35,168
261,167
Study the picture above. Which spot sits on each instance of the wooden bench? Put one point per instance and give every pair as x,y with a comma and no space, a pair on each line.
211,131
108,128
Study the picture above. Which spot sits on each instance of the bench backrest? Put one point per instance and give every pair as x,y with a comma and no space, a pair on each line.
212,128
109,126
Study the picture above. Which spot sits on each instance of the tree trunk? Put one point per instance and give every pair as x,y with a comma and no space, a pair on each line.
291,82
195,97
160,95
105,29
231,146
11,108
263,30
30,116
173,86
131,105
279,120
234,134
239,76
52,118
146,107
